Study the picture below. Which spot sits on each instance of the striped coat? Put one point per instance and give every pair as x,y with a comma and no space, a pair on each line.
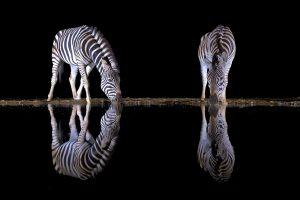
215,152
84,48
216,53
82,156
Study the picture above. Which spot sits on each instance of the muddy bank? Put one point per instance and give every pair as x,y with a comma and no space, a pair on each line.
288,102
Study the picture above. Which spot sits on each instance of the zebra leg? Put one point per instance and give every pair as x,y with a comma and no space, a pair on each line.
88,136
223,94
204,122
203,142
223,97
223,111
72,125
72,80
204,80
55,67
79,113
56,143
84,124
55,137
85,82
79,91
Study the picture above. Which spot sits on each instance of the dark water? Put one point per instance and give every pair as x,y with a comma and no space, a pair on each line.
156,151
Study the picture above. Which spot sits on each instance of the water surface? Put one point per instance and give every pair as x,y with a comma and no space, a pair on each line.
155,150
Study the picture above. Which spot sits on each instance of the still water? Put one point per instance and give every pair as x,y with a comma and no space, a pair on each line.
171,151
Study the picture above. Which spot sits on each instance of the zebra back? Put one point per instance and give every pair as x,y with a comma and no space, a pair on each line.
221,42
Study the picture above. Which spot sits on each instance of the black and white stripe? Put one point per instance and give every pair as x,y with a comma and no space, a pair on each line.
83,156
215,152
216,53
84,48
106,49
108,80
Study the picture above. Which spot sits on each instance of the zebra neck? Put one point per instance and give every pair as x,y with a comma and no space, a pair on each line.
96,155
99,68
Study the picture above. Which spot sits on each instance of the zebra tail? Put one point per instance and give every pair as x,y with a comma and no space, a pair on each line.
60,72
59,132
219,43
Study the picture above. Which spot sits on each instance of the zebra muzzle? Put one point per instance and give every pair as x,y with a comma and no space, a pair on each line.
213,99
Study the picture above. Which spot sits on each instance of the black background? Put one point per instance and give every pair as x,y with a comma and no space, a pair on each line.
156,45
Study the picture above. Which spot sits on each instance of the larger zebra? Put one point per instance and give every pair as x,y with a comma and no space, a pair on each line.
84,48
215,152
216,53
82,156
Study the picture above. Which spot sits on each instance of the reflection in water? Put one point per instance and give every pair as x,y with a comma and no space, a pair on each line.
215,152
83,156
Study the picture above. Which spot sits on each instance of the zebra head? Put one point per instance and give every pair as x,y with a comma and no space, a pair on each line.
215,152
110,82
110,126
217,78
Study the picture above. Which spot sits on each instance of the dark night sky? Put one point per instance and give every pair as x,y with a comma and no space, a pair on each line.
156,46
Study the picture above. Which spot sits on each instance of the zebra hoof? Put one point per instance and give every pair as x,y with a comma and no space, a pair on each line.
77,98
88,100
49,99
50,108
223,102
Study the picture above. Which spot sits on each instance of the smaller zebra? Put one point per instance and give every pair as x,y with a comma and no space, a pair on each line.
82,156
215,152
84,48
216,53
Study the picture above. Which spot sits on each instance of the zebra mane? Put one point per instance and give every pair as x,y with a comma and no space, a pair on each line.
100,38
105,66
96,33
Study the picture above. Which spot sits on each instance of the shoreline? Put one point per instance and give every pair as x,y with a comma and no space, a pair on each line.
232,102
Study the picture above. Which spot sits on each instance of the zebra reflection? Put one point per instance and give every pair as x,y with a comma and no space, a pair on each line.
82,156
215,152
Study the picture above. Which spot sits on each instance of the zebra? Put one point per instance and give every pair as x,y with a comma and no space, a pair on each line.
82,156
83,48
215,152
216,53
